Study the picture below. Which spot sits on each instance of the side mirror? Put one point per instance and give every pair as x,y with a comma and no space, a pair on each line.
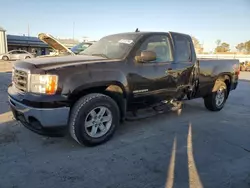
146,56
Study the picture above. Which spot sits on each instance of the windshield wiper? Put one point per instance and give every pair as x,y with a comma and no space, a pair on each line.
102,55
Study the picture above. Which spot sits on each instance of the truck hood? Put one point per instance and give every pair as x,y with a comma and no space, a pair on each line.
53,43
59,61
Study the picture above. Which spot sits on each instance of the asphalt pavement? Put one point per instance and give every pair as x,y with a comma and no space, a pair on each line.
196,148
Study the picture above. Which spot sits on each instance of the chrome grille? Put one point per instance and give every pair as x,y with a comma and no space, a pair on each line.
20,79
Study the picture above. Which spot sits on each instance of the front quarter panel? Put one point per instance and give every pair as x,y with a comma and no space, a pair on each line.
85,78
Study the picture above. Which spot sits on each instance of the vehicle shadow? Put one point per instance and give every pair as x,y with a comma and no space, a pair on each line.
160,151
244,80
161,159
7,135
169,150
4,82
135,162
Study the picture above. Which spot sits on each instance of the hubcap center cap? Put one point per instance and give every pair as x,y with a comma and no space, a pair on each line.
220,97
98,121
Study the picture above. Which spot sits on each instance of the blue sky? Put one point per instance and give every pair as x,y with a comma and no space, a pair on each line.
228,20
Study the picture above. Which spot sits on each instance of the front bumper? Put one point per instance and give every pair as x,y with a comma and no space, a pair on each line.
44,121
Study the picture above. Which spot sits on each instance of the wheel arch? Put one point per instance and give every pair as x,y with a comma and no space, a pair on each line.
225,77
113,89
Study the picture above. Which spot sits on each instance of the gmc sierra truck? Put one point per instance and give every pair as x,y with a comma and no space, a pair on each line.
90,94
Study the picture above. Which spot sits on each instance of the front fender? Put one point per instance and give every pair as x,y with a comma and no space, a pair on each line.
79,81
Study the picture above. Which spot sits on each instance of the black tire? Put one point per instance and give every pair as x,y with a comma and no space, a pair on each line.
210,100
5,58
27,57
80,112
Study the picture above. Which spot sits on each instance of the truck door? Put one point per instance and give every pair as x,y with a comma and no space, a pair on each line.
150,78
183,68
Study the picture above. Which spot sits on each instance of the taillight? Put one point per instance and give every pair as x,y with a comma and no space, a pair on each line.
236,69
237,72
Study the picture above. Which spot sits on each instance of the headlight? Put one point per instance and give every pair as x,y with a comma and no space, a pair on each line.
46,84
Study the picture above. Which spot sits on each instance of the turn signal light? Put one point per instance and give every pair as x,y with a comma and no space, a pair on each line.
51,85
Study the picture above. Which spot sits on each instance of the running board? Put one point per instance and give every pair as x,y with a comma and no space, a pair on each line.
163,107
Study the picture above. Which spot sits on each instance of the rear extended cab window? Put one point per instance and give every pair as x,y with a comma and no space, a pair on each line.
182,49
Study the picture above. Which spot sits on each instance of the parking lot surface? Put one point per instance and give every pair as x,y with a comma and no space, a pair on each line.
196,148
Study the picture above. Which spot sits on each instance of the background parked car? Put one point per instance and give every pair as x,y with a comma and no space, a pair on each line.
16,55
81,47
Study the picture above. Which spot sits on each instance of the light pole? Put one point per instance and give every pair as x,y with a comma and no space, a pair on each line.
73,30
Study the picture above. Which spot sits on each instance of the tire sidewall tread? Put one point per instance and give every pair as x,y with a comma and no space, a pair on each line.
79,111
210,102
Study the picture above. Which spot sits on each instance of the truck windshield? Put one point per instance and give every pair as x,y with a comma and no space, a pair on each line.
112,46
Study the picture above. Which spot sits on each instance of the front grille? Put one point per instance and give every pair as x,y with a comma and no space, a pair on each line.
20,79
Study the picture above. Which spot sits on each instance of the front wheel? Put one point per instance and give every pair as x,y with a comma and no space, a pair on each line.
217,99
94,119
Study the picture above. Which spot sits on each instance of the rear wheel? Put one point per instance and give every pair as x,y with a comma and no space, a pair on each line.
94,119
217,99
5,58
27,57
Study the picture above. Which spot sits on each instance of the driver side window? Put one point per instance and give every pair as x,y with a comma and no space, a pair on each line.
159,44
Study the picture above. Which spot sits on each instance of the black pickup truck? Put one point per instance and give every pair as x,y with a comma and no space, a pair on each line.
90,94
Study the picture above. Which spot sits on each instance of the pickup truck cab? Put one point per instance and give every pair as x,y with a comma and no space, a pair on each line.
91,94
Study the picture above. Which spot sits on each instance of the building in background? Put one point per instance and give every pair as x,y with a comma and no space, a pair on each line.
3,41
34,44
30,44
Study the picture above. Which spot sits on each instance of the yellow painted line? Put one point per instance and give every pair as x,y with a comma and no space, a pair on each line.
170,176
194,178
6,117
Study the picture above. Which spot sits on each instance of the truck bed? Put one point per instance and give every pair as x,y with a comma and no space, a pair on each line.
216,66
210,69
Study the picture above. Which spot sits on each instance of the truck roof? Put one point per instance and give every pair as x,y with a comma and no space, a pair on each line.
148,33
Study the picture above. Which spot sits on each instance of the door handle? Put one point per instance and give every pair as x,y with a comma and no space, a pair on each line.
172,72
169,70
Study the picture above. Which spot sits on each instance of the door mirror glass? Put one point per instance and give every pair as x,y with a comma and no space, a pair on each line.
146,56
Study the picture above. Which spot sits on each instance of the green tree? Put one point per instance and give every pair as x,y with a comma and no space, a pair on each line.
240,47
223,47
226,47
218,42
247,46
197,45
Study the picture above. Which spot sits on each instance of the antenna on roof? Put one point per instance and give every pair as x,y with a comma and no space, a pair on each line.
137,30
